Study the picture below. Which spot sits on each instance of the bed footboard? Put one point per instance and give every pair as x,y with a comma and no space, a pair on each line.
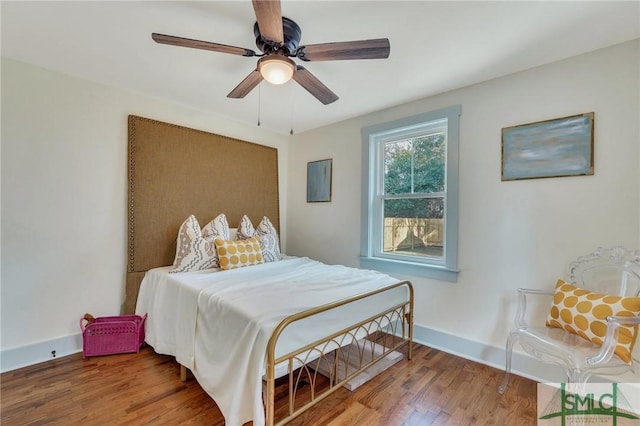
342,355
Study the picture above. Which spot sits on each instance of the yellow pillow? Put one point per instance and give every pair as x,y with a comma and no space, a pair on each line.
238,253
585,313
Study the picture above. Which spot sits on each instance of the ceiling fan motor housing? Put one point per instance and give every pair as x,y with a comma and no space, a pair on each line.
292,35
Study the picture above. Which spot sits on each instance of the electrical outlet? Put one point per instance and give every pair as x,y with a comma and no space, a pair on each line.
53,354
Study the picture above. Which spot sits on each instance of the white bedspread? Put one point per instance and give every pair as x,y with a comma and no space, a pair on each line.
218,323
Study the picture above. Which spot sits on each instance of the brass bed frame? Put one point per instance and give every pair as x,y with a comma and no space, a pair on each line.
393,329
176,171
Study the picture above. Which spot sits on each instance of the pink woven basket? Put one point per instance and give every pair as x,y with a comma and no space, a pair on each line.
112,335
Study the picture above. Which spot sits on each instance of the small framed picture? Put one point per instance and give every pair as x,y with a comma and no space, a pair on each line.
319,181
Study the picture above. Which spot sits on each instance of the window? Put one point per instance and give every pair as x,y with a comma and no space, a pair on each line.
410,195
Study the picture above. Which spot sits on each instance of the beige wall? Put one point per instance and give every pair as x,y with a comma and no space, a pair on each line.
64,186
511,234
63,183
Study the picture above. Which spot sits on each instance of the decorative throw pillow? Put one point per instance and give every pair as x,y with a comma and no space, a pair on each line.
269,241
585,313
194,246
266,227
238,253
245,229
218,227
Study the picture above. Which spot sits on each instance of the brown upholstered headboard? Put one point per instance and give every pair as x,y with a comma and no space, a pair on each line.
175,171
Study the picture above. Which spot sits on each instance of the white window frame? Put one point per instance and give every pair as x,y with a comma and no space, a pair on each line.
373,138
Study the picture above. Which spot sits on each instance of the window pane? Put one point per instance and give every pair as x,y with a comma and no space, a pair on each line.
414,226
415,165
397,167
429,157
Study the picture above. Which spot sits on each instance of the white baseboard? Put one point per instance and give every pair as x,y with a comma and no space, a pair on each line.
23,356
12,359
521,364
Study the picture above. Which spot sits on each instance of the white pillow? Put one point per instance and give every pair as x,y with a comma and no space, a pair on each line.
218,227
245,229
195,249
269,241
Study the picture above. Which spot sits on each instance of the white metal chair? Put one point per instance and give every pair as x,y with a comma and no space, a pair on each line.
609,271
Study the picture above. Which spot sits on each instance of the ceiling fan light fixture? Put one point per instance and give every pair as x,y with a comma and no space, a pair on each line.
276,69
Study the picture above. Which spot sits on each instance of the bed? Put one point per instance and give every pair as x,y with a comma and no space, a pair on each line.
311,325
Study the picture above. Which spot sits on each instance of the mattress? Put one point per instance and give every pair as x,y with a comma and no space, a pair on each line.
218,323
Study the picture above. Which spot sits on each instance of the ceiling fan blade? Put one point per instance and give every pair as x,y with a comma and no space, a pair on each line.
205,45
269,17
377,48
314,86
246,85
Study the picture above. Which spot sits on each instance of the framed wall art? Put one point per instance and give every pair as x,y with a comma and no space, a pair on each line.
550,148
319,181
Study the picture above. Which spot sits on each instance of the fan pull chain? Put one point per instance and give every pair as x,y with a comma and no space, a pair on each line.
291,100
259,97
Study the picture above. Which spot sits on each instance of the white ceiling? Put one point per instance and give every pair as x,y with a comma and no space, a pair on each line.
435,47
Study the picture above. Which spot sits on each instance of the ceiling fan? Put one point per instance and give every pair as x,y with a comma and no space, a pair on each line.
278,38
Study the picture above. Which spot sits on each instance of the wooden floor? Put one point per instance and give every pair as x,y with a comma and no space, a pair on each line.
434,388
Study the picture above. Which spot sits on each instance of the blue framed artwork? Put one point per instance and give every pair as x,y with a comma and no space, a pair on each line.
551,148
319,181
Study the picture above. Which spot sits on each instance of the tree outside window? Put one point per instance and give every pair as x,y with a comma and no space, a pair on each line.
414,183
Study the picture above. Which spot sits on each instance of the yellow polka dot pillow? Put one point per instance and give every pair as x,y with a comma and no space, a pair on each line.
238,253
585,313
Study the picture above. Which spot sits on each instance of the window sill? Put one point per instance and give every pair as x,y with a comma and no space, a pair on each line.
436,272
